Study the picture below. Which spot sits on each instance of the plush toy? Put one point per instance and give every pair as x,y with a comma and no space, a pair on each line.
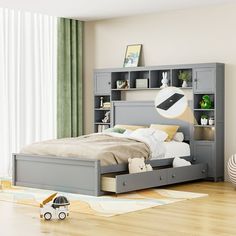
206,102
149,167
137,165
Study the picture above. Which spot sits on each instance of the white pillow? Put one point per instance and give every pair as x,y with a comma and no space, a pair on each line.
179,162
153,138
128,132
179,137
159,135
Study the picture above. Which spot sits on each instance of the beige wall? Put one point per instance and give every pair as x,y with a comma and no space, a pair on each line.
188,36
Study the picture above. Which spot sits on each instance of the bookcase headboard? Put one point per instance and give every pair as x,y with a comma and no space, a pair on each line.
144,113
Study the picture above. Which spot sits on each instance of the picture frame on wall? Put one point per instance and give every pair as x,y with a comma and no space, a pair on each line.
132,55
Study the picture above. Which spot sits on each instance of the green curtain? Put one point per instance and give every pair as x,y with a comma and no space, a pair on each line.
69,78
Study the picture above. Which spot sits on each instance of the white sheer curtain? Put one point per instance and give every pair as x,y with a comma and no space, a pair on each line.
27,81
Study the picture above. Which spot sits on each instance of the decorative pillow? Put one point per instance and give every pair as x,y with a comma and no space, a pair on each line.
114,130
169,129
128,132
179,162
130,127
159,135
179,137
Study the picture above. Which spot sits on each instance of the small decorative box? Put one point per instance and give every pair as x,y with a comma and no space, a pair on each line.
142,83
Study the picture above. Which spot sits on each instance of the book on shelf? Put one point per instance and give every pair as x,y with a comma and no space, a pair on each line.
106,105
101,128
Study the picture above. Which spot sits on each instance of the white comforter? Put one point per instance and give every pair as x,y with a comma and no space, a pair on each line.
153,138
155,141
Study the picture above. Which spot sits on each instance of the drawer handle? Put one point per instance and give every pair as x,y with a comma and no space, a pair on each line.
124,183
109,83
160,178
203,171
173,176
195,80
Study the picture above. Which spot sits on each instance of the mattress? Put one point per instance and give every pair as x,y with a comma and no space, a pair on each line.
176,149
110,149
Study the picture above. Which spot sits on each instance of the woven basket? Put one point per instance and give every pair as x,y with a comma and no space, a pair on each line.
232,169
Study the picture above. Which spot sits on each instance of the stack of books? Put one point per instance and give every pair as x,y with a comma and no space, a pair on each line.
101,128
106,105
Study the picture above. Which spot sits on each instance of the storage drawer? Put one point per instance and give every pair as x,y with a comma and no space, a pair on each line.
129,182
187,173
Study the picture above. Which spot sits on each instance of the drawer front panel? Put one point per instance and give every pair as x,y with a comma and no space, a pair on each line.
131,182
187,173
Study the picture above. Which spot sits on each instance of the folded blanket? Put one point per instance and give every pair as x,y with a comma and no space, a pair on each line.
107,148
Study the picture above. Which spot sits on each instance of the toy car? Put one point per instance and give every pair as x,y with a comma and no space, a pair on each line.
54,207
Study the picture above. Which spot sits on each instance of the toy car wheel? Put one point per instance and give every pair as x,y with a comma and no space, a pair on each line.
62,215
47,216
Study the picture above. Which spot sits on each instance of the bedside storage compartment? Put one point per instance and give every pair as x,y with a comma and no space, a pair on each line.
121,183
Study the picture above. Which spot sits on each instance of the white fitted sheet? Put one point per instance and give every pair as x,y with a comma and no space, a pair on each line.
175,149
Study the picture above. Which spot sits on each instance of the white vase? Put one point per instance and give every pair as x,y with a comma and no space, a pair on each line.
204,121
211,121
184,84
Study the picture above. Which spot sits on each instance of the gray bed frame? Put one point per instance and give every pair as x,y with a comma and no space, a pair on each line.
85,176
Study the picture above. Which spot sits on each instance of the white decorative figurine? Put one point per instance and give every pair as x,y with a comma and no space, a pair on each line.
101,102
54,208
107,117
164,80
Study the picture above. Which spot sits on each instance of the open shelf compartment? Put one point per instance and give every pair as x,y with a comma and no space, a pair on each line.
199,113
134,75
122,76
97,101
204,133
176,82
156,77
198,98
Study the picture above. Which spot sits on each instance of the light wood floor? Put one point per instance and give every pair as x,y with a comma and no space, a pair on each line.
213,215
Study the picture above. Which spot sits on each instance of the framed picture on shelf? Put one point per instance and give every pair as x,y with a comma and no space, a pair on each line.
132,55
